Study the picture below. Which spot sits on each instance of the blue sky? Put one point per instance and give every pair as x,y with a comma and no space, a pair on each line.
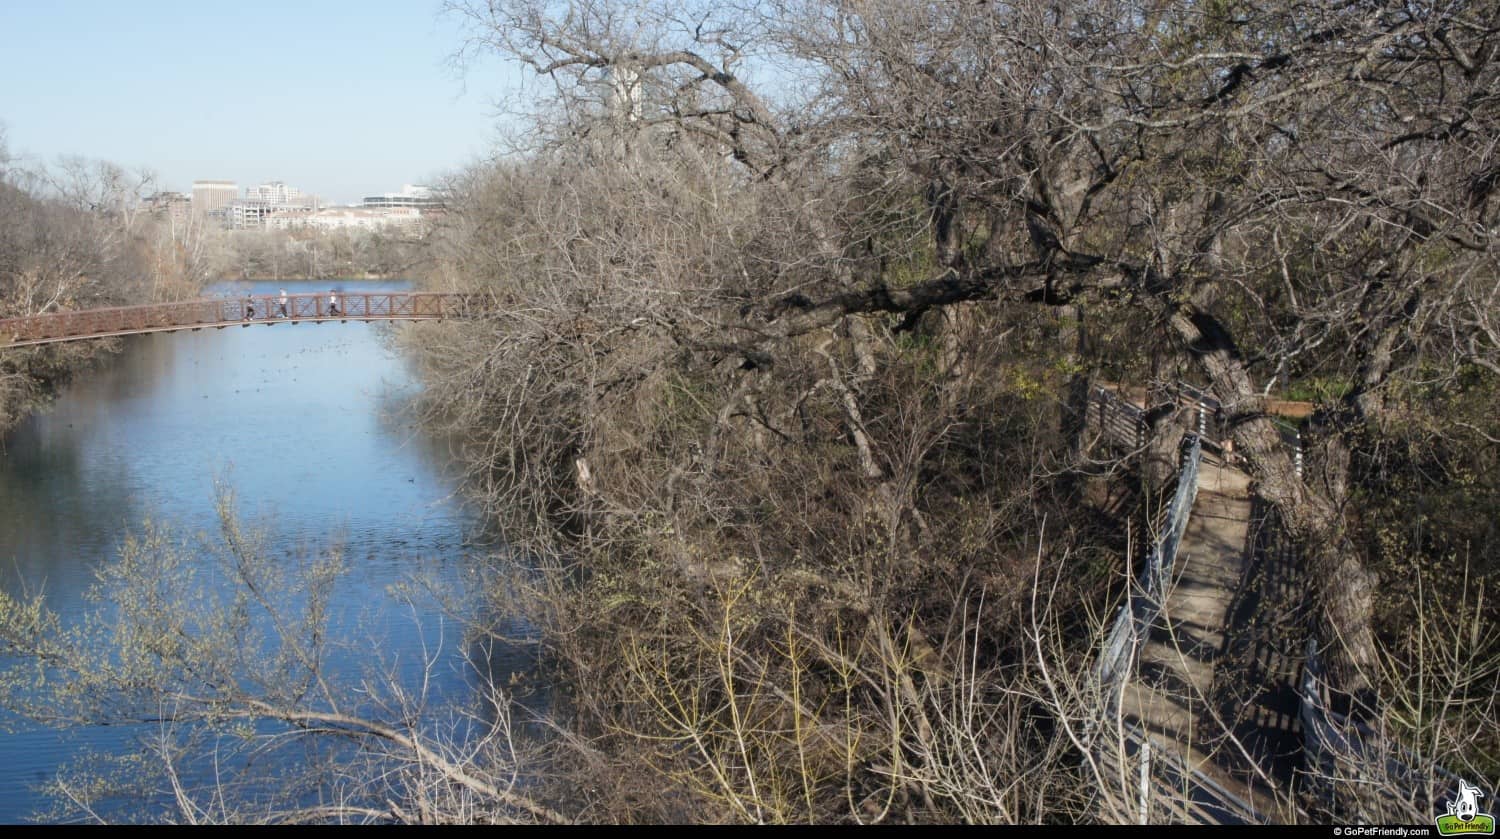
342,98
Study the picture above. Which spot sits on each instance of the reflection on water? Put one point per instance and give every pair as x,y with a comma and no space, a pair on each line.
303,421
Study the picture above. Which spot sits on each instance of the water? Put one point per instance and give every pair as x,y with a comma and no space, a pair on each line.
304,423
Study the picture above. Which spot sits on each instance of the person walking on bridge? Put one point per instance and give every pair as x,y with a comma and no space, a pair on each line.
333,301
283,303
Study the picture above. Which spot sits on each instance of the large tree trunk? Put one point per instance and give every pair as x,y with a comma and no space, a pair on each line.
1344,589
1074,417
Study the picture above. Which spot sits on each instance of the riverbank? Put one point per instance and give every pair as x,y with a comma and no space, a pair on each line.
368,277
61,253
31,377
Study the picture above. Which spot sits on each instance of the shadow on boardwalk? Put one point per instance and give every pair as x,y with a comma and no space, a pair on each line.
1255,685
1216,678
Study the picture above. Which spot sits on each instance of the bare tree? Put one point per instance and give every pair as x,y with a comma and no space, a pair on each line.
1263,186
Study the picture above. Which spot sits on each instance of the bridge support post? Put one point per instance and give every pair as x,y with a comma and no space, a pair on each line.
1145,794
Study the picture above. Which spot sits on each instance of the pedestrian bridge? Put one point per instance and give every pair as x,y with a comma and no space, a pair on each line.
268,309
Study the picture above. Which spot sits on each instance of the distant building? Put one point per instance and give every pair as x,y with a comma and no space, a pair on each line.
260,203
248,213
279,194
288,217
623,98
209,196
347,218
420,197
273,193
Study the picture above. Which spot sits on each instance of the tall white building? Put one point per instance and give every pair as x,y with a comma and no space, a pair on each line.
248,213
623,98
254,210
209,196
274,193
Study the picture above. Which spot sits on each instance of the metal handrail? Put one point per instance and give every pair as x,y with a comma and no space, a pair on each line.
1327,733
1123,422
1140,612
1144,601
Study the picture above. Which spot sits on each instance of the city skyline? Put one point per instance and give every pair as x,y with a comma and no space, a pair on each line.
284,206
279,191
343,99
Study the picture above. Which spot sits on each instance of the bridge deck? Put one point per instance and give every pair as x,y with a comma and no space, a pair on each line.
1207,701
1173,695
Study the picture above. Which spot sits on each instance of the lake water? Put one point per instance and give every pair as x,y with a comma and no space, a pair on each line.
305,423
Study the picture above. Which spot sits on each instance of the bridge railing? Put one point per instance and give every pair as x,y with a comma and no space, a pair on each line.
1122,423
260,308
1143,606
1200,797
1212,424
1144,598
1337,745
1207,412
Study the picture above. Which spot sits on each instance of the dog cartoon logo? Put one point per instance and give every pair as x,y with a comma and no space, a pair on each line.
1463,817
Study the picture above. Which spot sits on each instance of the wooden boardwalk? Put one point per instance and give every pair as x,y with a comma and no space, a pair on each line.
1175,696
1201,667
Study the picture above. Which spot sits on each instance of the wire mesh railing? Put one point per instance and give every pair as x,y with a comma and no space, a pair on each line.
1145,596
1121,423
1335,745
1339,746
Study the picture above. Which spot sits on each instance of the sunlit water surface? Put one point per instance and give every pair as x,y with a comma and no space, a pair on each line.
307,424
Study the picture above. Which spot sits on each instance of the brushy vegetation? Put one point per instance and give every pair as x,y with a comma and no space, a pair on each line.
783,388
74,236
